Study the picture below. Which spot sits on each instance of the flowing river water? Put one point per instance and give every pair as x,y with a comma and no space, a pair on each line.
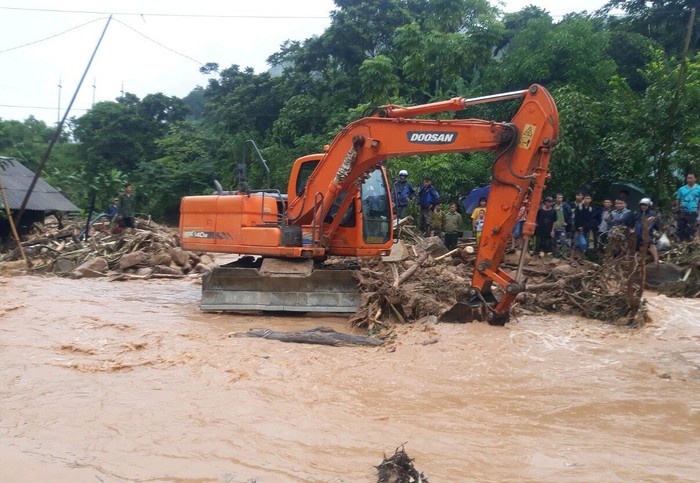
129,381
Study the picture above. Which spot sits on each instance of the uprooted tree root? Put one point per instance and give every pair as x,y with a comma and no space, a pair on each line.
611,291
401,292
399,469
687,256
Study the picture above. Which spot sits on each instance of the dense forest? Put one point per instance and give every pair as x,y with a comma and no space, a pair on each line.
626,80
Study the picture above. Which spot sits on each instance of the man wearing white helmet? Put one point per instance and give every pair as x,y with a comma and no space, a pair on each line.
401,193
645,215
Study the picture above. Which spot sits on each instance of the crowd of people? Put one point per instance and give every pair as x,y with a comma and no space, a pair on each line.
562,229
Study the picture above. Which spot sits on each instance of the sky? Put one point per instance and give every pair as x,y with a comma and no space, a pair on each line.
150,46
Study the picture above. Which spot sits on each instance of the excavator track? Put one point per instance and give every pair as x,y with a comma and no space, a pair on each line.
269,284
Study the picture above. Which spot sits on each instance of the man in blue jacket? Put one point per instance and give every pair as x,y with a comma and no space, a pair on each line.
402,192
428,197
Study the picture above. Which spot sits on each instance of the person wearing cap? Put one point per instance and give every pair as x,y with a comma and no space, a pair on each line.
544,231
645,216
687,207
428,197
400,194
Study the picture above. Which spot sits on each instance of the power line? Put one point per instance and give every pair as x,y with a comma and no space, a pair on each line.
51,36
158,43
37,107
157,14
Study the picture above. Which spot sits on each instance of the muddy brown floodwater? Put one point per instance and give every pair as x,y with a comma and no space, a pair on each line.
129,381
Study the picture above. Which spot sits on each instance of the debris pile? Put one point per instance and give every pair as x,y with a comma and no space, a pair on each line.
149,251
610,291
687,257
429,281
399,469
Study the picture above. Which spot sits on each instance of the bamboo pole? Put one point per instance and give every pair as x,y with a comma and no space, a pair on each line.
12,224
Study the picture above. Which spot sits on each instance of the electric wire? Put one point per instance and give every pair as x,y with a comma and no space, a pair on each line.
234,16
158,43
38,107
156,14
51,36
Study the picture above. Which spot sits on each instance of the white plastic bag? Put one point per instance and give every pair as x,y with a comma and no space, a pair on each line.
664,243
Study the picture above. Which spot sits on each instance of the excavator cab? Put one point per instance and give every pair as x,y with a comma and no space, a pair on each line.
281,267
376,209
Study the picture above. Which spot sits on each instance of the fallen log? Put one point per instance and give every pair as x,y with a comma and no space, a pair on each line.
451,252
317,335
411,270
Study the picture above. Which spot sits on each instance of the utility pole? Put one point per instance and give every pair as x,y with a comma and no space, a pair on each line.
122,91
57,133
94,88
58,113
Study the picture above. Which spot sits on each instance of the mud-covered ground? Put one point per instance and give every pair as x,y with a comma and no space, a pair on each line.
128,381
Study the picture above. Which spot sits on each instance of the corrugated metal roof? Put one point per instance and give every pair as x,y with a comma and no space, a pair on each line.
16,179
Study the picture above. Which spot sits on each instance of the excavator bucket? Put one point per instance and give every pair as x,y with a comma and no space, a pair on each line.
477,308
462,312
279,285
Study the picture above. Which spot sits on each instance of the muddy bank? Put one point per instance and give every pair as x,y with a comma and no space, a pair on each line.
128,381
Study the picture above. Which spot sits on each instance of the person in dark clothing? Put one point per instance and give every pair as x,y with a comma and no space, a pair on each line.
452,226
620,216
400,194
584,221
112,209
578,199
126,208
428,197
544,231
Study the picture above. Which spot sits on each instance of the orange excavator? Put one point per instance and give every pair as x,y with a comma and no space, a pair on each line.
338,204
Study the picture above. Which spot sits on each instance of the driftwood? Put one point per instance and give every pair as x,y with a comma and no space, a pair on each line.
450,253
317,335
430,285
398,469
412,269
395,274
63,252
128,276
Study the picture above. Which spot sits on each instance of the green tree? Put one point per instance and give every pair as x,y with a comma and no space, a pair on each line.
186,166
663,21
577,161
571,52
25,140
654,135
379,79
